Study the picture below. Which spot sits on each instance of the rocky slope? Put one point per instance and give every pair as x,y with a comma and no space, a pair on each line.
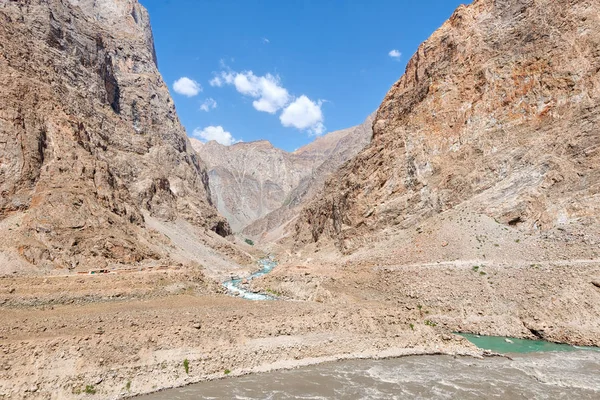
248,180
259,187
499,110
332,150
89,139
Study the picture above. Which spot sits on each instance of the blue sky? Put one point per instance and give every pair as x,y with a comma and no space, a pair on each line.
285,70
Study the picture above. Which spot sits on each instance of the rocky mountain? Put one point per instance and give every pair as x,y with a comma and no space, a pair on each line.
90,143
498,110
257,186
473,209
249,180
332,150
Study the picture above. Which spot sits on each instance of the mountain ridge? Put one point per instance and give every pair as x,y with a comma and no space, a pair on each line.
477,117
250,180
90,139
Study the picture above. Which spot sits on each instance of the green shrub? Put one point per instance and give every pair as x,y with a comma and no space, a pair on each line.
250,242
227,372
90,389
430,323
186,366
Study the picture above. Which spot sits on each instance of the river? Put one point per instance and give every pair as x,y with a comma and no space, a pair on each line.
544,375
236,286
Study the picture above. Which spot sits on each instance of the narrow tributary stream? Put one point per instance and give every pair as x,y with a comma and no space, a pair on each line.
237,286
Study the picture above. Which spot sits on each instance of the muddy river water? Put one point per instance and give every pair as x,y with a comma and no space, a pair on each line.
536,370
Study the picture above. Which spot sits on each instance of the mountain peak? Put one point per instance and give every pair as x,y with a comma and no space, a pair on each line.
249,180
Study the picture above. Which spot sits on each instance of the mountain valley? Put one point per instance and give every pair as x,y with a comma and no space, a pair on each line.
468,202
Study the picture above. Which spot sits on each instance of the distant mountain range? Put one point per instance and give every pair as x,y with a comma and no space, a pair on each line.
258,187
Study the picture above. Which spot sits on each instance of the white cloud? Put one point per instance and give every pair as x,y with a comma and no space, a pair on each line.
216,133
222,79
265,40
301,113
209,104
216,81
270,95
395,54
304,114
187,87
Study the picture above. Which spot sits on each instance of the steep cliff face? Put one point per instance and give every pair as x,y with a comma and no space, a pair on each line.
255,185
249,180
498,109
89,137
331,151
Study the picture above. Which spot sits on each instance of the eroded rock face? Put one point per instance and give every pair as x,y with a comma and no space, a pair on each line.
89,137
499,108
259,187
332,151
248,180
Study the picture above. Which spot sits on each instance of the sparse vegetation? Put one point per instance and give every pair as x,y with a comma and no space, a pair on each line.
89,389
186,366
430,323
227,372
412,326
249,241
128,386
476,268
273,292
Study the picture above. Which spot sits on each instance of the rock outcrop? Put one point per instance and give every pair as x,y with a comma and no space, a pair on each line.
258,187
499,109
89,138
249,180
332,151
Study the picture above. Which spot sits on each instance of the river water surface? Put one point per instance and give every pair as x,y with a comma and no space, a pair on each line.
544,375
236,286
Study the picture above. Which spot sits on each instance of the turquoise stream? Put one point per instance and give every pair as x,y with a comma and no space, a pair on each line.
501,344
234,286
